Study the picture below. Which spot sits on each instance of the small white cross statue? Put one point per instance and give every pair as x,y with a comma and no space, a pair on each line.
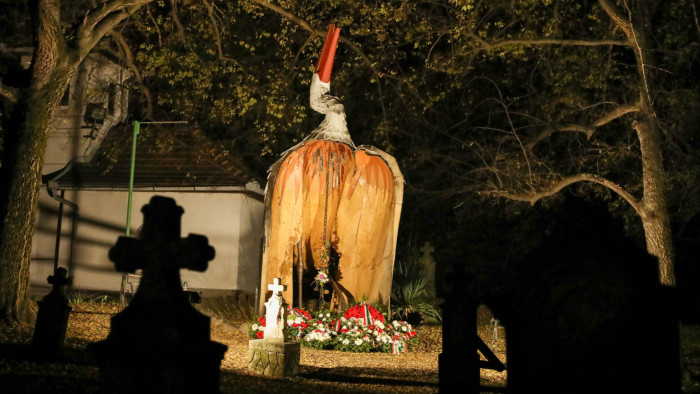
275,313
276,286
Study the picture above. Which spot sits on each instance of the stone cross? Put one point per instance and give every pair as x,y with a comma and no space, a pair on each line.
160,252
276,286
275,313
429,265
273,355
59,280
159,342
52,319
427,249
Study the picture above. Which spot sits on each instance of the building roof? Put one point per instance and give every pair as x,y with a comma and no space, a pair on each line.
168,158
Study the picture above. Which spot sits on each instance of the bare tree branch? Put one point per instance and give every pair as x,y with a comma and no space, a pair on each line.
101,21
695,16
96,15
128,58
614,114
322,33
546,41
588,130
534,196
215,26
637,41
617,16
178,24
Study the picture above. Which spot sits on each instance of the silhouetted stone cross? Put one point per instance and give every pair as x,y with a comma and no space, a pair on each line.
52,319
160,252
159,342
58,280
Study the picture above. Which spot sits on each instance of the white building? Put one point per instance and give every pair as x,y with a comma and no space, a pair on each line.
87,168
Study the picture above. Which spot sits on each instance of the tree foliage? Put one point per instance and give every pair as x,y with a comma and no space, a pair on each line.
509,99
517,99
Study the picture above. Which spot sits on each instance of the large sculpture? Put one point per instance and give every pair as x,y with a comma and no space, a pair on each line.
327,192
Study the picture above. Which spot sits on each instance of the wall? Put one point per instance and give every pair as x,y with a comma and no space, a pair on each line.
98,81
232,223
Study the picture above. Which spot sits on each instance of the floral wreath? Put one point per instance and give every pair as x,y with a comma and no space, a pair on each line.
366,312
360,329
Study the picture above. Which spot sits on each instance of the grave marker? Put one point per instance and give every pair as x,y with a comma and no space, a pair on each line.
273,355
159,342
52,319
275,313
429,265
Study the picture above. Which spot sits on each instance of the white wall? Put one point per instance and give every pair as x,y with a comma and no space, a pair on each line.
232,223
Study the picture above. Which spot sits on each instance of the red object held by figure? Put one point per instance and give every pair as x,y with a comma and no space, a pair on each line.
325,62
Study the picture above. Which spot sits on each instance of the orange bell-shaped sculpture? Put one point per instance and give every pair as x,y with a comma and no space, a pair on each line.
325,191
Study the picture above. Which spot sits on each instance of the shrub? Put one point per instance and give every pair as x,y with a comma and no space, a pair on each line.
408,294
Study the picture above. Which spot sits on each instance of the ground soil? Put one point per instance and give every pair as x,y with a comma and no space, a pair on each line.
415,371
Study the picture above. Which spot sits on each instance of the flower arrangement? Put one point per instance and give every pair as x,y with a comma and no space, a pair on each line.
356,337
321,337
327,316
324,258
297,322
402,331
257,328
364,311
361,328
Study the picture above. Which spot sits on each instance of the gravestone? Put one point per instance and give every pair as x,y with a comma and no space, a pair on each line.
272,355
585,313
159,342
52,319
275,313
429,266
458,364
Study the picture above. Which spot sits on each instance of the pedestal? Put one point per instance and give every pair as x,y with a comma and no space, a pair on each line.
165,350
274,359
51,324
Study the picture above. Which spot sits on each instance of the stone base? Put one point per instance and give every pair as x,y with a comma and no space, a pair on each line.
274,359
159,348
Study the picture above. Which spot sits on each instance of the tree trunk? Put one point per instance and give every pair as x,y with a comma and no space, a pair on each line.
654,215
23,177
24,158
23,164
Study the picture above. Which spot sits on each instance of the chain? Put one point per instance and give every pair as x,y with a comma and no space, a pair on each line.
325,212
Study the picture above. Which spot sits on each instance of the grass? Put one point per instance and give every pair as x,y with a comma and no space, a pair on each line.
408,294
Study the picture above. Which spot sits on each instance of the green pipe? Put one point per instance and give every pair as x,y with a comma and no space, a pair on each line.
137,128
